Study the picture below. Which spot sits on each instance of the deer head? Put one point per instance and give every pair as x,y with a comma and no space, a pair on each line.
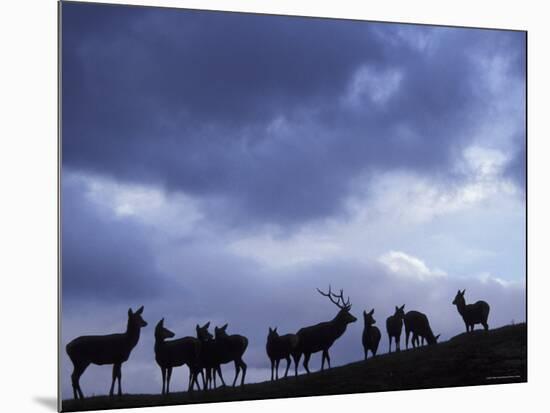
272,333
202,332
135,320
161,332
343,315
368,318
459,298
219,332
399,311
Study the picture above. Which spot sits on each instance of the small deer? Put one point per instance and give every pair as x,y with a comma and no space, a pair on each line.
472,314
112,349
417,323
175,353
231,348
278,348
320,337
371,334
394,326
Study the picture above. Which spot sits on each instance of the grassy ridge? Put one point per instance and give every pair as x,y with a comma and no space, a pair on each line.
497,356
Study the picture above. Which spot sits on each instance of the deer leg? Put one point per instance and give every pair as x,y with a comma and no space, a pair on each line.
219,370
272,368
485,325
75,379
243,368
163,372
323,360
306,361
366,352
287,365
237,369
389,347
191,380
113,382
296,358
407,340
328,359
119,376
397,341
168,377
277,369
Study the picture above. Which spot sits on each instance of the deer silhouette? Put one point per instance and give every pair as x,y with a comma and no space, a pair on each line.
231,348
472,314
278,348
371,334
417,323
320,337
394,326
175,353
112,349
208,359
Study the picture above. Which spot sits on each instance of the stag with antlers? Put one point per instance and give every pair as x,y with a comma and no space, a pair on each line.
320,337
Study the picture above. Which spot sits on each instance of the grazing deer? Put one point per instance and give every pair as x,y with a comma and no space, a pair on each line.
472,314
175,353
109,349
320,337
231,348
278,348
371,334
208,359
418,324
394,325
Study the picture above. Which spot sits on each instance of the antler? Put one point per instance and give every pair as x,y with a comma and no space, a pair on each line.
344,305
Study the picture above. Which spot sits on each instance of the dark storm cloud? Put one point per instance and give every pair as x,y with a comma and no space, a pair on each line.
185,99
104,258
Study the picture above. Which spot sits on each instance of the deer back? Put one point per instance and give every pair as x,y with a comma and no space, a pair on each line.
231,347
417,323
173,353
108,349
476,312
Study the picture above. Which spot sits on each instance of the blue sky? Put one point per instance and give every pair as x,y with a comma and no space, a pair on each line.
219,167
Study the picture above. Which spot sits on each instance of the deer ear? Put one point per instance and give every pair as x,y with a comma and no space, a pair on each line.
130,312
403,307
270,330
206,325
140,310
162,322
275,330
463,291
224,327
371,312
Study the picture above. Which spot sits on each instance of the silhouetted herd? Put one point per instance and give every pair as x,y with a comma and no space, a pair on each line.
205,353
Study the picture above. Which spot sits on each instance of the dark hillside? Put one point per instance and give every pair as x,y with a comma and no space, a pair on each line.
496,356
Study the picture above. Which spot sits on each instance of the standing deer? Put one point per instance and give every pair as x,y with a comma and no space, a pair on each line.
371,334
320,337
208,356
175,353
418,324
394,326
472,314
231,348
109,349
278,348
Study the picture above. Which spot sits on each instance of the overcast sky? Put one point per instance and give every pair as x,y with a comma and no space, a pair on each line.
219,167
